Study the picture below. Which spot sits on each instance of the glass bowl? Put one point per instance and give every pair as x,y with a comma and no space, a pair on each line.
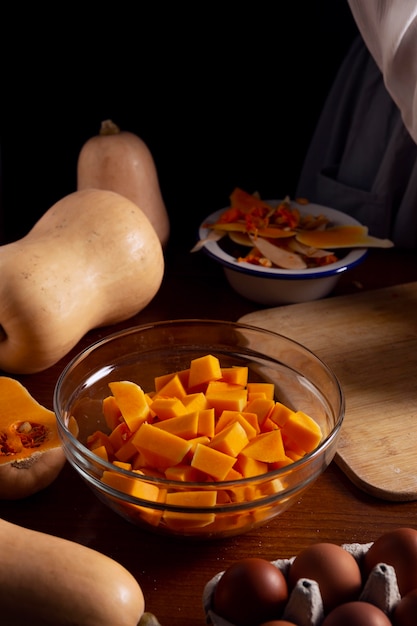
140,354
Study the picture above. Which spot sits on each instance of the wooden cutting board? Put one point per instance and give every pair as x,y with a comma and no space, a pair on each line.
370,341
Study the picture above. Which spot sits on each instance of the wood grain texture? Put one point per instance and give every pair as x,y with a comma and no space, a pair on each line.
370,341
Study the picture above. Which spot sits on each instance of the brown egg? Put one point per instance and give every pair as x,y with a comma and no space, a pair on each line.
334,569
405,613
356,614
397,548
251,591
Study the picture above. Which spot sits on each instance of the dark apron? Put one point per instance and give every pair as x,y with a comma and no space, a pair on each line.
361,159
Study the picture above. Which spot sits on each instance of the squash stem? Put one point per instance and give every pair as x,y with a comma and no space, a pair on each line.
108,127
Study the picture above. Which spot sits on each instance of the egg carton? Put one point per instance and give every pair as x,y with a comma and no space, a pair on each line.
305,606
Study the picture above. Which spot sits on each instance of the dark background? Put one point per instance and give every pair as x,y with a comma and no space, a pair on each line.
223,95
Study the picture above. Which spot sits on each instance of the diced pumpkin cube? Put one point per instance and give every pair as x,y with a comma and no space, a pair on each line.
203,370
212,462
237,375
292,448
203,439
280,413
252,418
268,389
266,447
131,486
206,422
101,452
269,425
287,460
231,400
185,426
137,489
231,440
120,435
294,456
195,401
304,430
250,467
216,386
190,499
233,474
154,473
270,487
262,407
126,452
172,389
99,439
256,395
160,449
130,399
111,412
161,381
228,417
244,493
184,473
165,408
123,465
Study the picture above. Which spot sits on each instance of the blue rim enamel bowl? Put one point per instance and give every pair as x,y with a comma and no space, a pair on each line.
273,286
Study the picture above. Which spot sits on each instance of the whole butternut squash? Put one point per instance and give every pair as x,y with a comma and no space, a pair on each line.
122,162
49,581
93,259
31,454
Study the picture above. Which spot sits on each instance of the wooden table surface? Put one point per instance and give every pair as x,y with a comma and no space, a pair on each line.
172,573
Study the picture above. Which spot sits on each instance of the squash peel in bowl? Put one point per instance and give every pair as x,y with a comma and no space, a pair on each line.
282,235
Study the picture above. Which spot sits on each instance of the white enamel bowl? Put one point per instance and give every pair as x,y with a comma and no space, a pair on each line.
275,286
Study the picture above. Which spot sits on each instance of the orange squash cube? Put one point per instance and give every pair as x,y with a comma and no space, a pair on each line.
266,447
172,389
231,440
262,407
159,448
185,426
126,452
190,499
133,487
111,411
250,467
268,389
138,489
203,370
130,399
227,399
237,375
165,408
280,413
206,422
99,439
212,462
101,452
119,436
195,401
161,381
304,430
228,417
184,473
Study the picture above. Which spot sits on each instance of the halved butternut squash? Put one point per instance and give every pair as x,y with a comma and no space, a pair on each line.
31,455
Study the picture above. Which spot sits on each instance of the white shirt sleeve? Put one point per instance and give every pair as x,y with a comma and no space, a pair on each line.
389,29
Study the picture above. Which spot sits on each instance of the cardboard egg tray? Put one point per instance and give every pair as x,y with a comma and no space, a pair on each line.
305,606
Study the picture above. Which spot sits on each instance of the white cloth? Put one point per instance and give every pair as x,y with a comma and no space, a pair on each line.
389,29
